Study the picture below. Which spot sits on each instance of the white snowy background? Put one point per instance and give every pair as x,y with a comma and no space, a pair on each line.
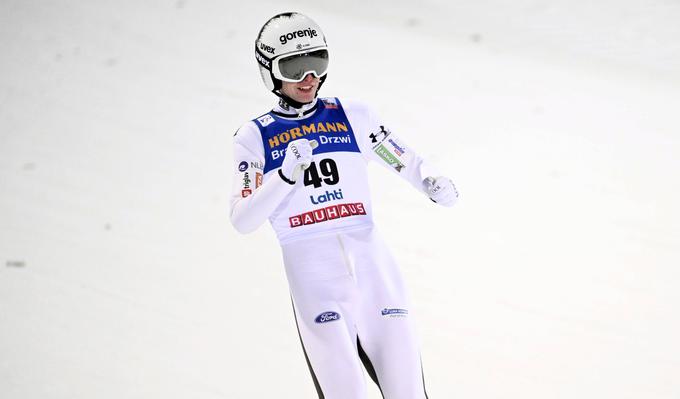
556,276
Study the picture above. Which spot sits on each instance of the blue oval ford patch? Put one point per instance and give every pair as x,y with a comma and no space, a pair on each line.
325,317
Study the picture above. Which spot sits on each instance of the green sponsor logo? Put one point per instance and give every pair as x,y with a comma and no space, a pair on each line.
388,157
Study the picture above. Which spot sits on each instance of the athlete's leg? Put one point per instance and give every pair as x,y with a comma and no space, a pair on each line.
324,296
385,327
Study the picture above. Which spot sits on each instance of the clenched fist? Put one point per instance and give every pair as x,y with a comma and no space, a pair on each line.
441,190
298,158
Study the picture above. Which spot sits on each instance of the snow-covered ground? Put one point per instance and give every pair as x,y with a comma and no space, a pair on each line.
555,277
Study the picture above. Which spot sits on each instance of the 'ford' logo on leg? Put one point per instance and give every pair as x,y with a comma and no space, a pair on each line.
325,317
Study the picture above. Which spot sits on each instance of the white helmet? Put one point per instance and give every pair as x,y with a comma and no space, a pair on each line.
289,47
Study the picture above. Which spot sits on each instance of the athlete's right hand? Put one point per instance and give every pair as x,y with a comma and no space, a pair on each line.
298,158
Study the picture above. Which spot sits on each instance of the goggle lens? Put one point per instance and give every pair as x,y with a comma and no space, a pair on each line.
294,68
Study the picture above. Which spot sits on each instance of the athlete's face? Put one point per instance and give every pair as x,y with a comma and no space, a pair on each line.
303,91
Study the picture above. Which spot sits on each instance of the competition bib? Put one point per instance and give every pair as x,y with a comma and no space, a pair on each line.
333,193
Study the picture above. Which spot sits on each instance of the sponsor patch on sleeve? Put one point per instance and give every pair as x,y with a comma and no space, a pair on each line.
398,148
388,148
246,188
380,135
387,155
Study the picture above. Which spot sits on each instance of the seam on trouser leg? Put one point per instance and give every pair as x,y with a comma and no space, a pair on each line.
348,264
350,270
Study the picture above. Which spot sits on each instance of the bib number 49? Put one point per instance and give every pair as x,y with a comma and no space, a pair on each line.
328,170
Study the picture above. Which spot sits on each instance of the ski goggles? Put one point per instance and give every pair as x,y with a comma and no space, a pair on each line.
294,67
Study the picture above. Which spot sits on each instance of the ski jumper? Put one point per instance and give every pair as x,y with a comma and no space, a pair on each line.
350,303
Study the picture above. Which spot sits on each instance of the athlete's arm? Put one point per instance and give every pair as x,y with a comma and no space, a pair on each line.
251,202
378,143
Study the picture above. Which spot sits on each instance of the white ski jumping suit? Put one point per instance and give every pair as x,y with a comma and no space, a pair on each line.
350,303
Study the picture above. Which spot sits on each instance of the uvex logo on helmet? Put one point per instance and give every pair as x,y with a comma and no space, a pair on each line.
298,33
267,48
263,61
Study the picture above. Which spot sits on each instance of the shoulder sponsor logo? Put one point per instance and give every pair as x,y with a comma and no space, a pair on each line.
266,48
257,165
393,312
382,133
399,150
326,317
258,179
328,213
298,33
243,166
266,120
246,192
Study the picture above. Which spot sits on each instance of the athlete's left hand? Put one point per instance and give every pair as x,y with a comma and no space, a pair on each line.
441,190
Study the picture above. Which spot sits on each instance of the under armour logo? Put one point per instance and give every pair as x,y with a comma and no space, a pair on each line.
283,104
374,136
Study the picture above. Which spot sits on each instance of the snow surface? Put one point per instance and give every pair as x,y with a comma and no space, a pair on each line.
555,277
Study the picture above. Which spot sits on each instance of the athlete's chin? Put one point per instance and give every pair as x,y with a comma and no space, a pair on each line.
304,99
